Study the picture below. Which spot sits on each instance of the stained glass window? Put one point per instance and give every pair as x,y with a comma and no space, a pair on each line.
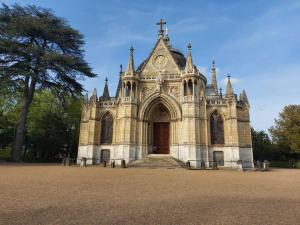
216,128
106,129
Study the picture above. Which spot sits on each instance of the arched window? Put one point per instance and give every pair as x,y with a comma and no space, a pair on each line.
133,90
190,87
196,90
216,128
106,129
128,89
184,89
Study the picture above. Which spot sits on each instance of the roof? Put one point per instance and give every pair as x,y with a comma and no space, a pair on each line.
209,90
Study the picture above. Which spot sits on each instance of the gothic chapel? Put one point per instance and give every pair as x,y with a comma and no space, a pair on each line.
166,106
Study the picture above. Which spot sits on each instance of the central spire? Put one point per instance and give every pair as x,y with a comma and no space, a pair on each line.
161,30
214,77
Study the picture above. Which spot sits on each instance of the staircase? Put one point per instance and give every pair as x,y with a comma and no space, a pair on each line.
157,161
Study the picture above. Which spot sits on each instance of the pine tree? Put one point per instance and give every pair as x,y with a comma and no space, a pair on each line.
38,50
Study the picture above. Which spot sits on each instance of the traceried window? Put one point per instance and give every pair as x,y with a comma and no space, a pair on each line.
106,129
216,129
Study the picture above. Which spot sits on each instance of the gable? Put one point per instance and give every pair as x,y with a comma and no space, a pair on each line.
160,59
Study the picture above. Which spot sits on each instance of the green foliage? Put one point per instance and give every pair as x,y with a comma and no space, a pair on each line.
262,145
286,131
9,112
5,153
284,149
52,125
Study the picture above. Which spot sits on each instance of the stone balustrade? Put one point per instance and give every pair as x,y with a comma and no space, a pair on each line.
107,104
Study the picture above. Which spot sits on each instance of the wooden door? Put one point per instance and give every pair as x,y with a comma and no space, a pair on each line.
219,157
105,155
161,136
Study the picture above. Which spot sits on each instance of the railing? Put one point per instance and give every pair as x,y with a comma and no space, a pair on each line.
129,100
188,98
107,104
216,102
166,77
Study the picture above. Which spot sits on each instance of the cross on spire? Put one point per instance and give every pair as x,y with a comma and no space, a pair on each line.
161,23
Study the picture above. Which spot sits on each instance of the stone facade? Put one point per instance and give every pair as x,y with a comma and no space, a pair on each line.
200,123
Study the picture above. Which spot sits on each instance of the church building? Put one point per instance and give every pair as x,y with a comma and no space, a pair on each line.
166,106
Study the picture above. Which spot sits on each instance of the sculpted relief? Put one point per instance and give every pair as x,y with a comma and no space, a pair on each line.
174,91
146,91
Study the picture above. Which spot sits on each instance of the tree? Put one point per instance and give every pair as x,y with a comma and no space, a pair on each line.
38,51
286,131
9,112
45,142
262,145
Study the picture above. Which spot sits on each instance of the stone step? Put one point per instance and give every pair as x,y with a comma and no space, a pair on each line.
156,161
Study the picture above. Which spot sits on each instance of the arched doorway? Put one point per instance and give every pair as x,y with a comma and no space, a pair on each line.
161,130
159,115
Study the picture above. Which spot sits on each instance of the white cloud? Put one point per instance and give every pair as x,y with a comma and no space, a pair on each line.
202,69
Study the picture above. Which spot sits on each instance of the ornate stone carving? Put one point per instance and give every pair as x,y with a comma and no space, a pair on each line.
174,91
146,91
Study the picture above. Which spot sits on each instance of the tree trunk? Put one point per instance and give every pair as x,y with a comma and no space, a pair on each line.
21,126
20,132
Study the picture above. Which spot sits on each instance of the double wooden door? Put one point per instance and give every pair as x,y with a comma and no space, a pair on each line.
161,136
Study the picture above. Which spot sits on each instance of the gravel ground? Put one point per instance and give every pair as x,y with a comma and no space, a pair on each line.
51,194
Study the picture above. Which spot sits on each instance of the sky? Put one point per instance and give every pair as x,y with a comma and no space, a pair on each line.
256,42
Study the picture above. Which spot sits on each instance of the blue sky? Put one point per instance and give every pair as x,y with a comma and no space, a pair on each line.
257,42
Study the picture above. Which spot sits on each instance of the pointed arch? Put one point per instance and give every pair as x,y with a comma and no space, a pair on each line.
128,89
107,123
159,98
217,128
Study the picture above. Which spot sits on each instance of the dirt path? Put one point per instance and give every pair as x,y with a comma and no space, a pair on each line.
47,194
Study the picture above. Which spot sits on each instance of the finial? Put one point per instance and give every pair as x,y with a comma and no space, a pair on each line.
131,49
213,63
121,68
106,79
220,91
189,46
228,76
161,30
